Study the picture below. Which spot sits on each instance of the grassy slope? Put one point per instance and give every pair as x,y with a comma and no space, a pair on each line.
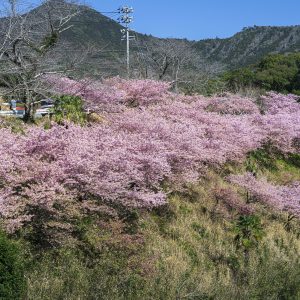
200,259
185,251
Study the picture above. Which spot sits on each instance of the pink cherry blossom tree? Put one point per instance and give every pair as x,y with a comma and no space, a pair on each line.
56,176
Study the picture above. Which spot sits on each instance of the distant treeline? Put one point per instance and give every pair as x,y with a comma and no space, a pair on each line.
276,72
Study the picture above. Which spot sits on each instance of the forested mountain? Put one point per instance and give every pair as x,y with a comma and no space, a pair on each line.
93,31
244,48
250,45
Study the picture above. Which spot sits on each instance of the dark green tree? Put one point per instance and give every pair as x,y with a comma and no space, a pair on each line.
276,72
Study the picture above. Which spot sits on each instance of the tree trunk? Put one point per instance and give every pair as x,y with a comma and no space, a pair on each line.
28,116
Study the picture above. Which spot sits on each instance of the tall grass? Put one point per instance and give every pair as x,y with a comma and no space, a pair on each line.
188,250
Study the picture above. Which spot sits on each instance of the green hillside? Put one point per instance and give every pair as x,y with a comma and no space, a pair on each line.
275,72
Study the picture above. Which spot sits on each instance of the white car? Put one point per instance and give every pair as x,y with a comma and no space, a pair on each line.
6,113
43,111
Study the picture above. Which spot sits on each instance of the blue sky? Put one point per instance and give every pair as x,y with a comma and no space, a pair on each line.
198,19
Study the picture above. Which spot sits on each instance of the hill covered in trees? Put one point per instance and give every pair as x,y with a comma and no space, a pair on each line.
92,47
244,48
251,45
129,189
277,72
92,30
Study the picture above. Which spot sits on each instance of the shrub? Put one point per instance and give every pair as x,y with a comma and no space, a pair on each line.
232,104
69,108
12,280
97,96
248,231
283,198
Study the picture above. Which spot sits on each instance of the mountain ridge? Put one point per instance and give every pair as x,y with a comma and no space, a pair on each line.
242,49
251,44
93,29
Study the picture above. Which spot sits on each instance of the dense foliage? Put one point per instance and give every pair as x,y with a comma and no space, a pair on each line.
277,72
69,108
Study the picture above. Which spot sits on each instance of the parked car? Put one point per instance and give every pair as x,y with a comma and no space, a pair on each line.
43,111
6,113
47,103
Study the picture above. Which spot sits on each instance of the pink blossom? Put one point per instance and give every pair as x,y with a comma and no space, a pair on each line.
284,198
232,104
124,162
140,92
274,103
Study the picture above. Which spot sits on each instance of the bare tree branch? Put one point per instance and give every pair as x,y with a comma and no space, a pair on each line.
30,47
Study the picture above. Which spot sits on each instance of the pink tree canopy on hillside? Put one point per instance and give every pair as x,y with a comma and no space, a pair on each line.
124,161
284,198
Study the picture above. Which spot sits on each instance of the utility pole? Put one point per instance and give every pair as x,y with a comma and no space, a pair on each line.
126,19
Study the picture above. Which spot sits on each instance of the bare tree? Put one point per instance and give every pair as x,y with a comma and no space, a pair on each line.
177,61
30,47
166,58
